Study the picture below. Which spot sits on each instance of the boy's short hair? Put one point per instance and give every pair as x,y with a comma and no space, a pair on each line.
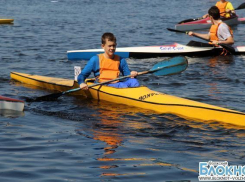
108,36
214,12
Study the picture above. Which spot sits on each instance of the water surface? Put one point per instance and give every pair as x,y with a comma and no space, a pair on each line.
76,139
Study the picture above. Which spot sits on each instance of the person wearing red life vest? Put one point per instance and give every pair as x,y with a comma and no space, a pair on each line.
226,9
107,66
219,33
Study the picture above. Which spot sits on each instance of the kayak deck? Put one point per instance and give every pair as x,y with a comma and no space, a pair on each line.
141,97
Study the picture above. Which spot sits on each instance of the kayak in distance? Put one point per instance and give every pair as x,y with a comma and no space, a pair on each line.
205,23
7,103
141,97
156,51
6,21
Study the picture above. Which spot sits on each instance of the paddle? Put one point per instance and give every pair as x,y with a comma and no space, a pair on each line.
189,20
242,6
225,46
167,67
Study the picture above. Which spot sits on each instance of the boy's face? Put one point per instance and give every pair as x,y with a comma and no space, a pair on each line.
109,47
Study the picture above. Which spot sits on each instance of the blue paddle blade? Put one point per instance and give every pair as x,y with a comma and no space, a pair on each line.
170,66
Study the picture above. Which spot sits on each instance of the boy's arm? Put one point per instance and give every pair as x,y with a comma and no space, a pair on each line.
204,36
124,69
87,70
230,7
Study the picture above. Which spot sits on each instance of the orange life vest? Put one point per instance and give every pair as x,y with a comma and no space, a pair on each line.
109,68
214,32
222,7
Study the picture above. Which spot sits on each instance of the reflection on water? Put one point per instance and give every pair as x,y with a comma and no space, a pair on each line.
117,125
107,130
221,60
218,69
10,113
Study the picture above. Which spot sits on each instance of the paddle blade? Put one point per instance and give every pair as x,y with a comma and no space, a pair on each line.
170,66
189,20
173,30
228,48
50,97
242,6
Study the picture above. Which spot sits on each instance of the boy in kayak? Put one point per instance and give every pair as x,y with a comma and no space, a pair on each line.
107,66
219,33
225,9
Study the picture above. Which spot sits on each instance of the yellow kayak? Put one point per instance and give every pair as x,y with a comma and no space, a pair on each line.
141,97
5,21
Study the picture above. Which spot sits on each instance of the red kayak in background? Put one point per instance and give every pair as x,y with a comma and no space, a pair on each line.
205,23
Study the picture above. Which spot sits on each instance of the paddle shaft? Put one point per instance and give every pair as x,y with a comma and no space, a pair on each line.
56,95
186,32
109,81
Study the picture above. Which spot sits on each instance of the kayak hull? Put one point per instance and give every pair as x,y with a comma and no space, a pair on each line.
205,24
6,21
147,52
141,97
7,103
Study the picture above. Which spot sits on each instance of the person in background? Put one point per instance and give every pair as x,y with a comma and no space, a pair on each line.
225,8
220,32
108,66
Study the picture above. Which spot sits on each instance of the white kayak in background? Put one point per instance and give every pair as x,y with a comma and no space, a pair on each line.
154,51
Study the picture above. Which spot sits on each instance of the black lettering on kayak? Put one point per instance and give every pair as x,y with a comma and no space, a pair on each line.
143,97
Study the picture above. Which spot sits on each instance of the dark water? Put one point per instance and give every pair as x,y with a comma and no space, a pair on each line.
74,139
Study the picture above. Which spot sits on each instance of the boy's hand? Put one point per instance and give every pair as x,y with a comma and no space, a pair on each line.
84,86
190,33
133,74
